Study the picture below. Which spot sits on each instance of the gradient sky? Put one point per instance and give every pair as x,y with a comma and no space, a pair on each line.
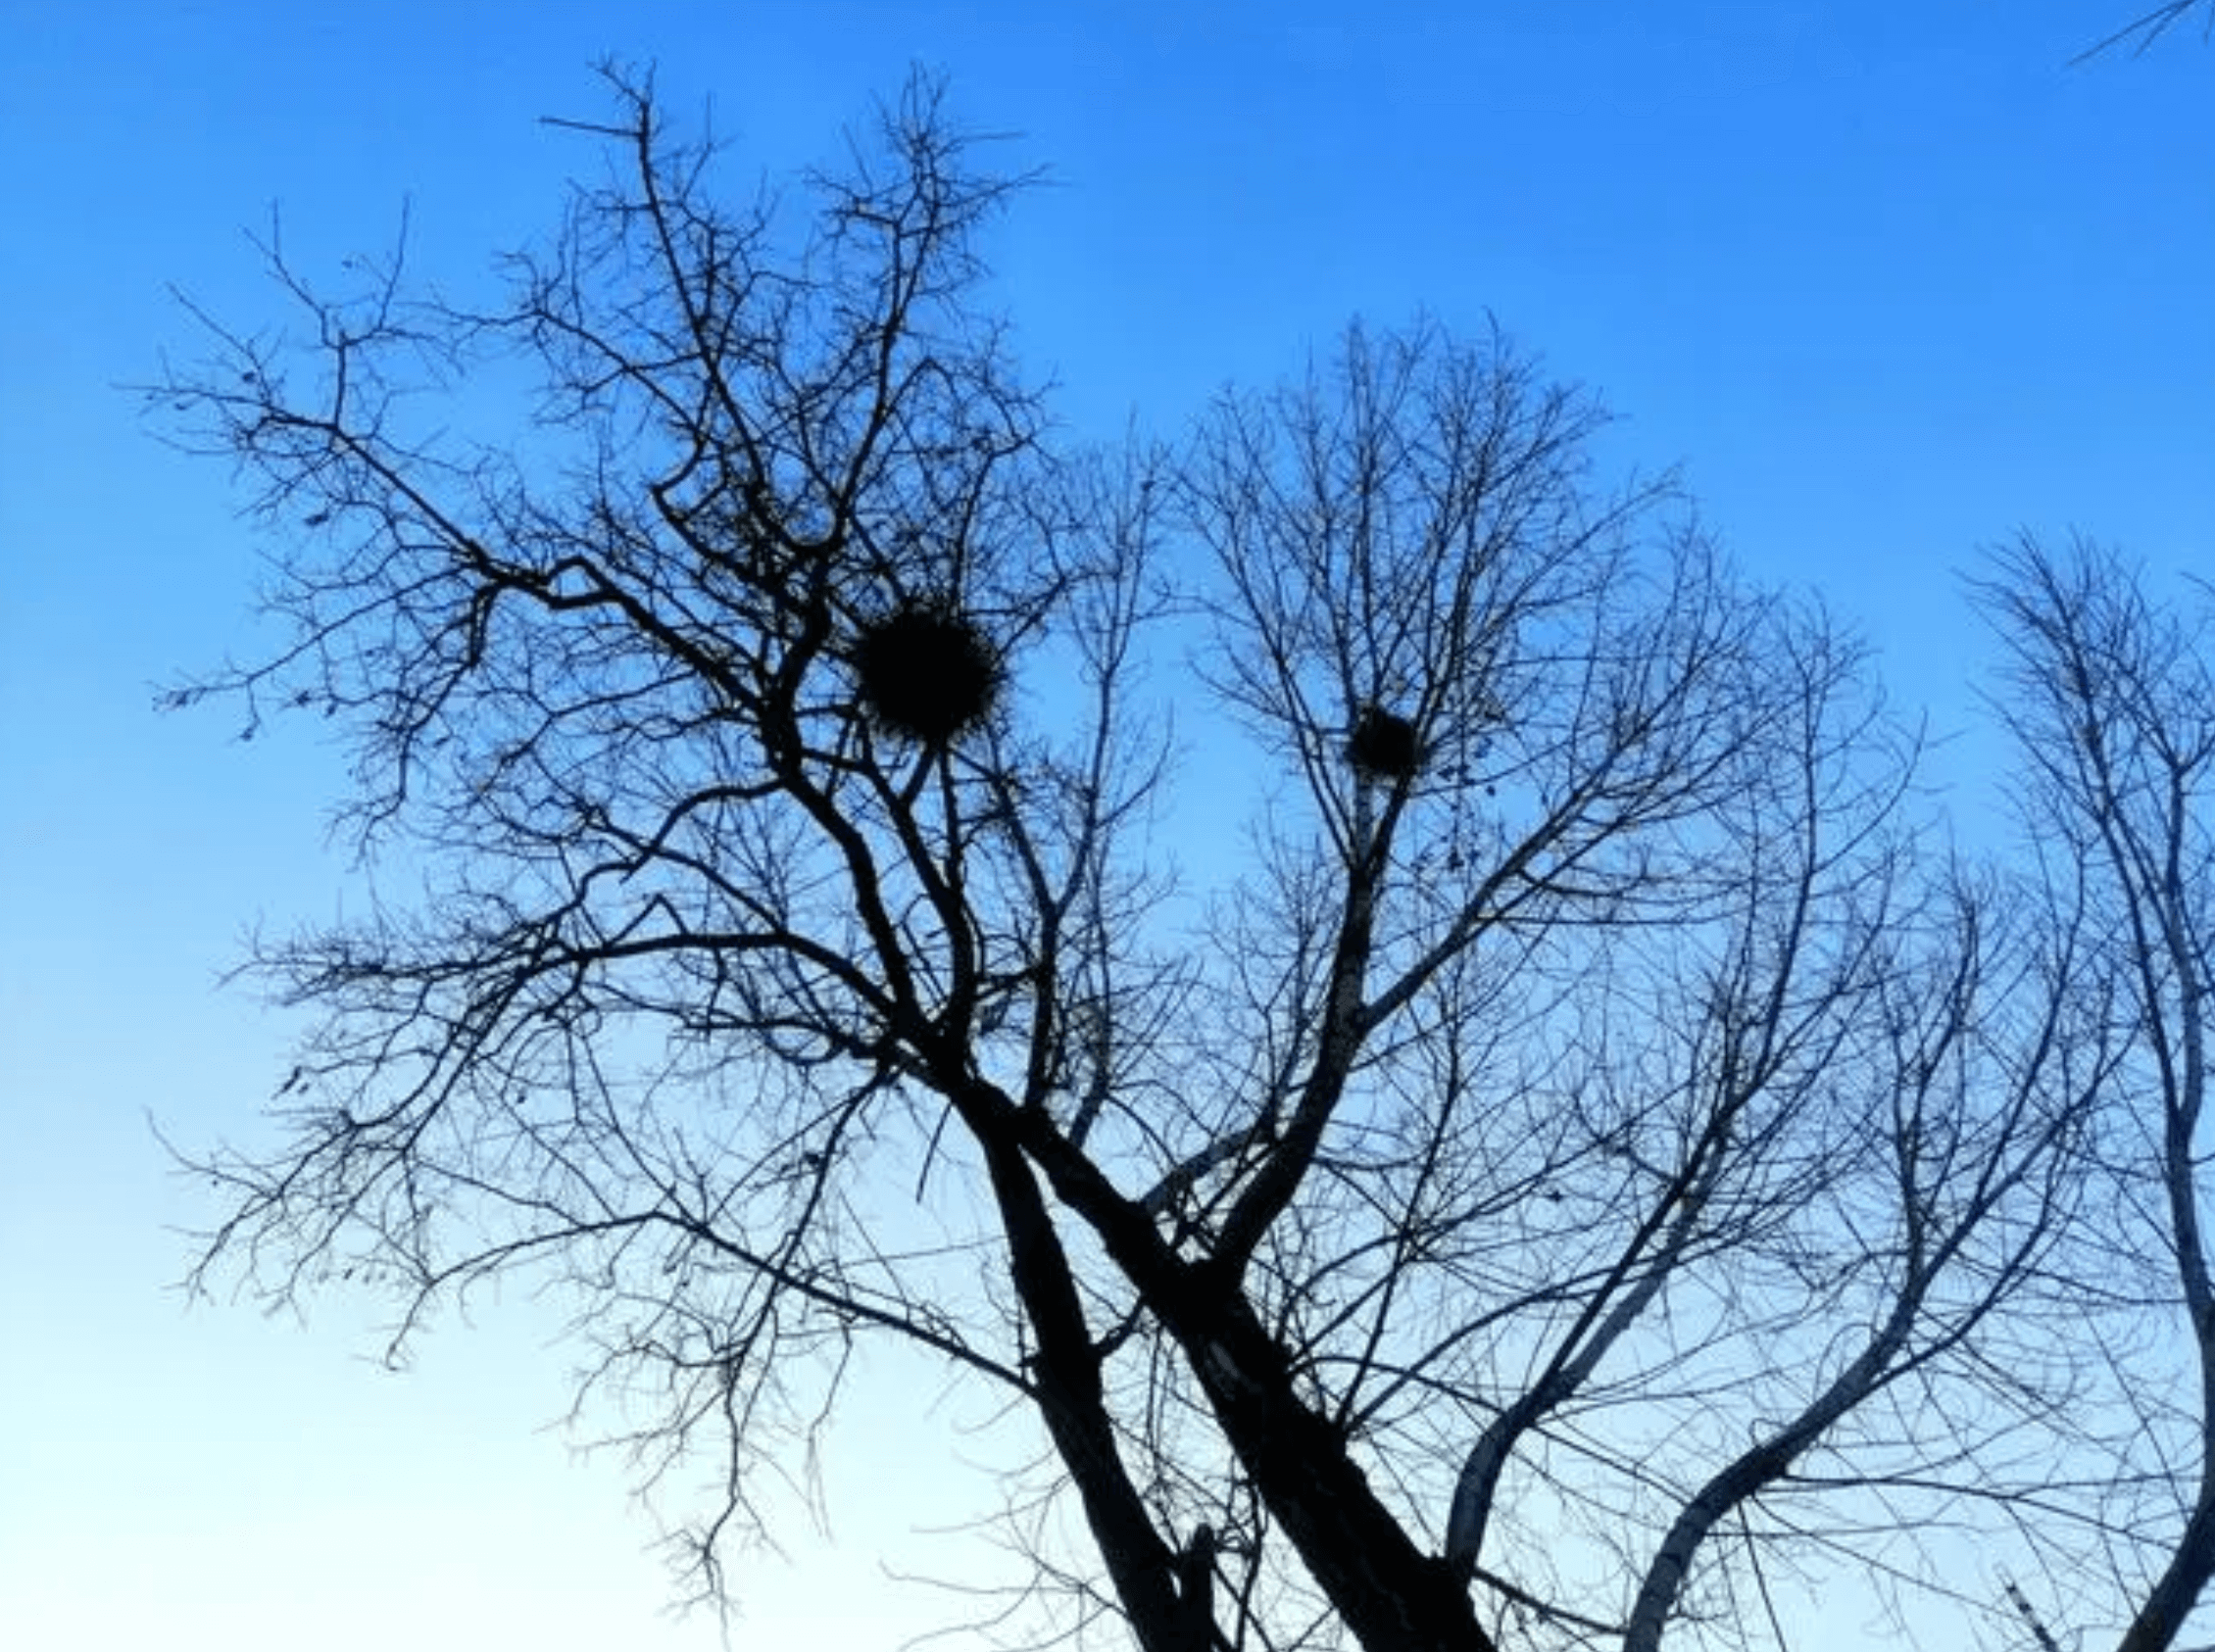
1888,279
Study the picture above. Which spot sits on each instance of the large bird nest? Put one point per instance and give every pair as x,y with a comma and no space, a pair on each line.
1383,746
928,672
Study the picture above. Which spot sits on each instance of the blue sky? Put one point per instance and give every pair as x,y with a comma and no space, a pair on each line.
1888,279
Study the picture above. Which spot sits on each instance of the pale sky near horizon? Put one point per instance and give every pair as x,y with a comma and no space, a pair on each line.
1888,279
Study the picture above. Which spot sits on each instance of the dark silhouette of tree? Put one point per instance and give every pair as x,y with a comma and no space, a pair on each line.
2142,30
2111,696
1590,1156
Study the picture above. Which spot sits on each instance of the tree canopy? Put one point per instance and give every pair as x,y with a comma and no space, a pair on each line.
1592,1166
2148,26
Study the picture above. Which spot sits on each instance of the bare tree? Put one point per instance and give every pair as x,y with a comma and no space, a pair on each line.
1666,1008
2142,30
2112,698
1559,1176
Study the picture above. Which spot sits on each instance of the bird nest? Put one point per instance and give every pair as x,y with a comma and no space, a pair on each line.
928,673
1383,746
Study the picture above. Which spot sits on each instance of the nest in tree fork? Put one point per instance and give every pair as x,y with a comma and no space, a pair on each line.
928,672
1382,744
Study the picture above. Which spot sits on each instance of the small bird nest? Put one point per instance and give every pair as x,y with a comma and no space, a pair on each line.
1383,746
928,672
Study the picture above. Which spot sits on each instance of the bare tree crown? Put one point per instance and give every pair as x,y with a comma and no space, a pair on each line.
1592,1153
